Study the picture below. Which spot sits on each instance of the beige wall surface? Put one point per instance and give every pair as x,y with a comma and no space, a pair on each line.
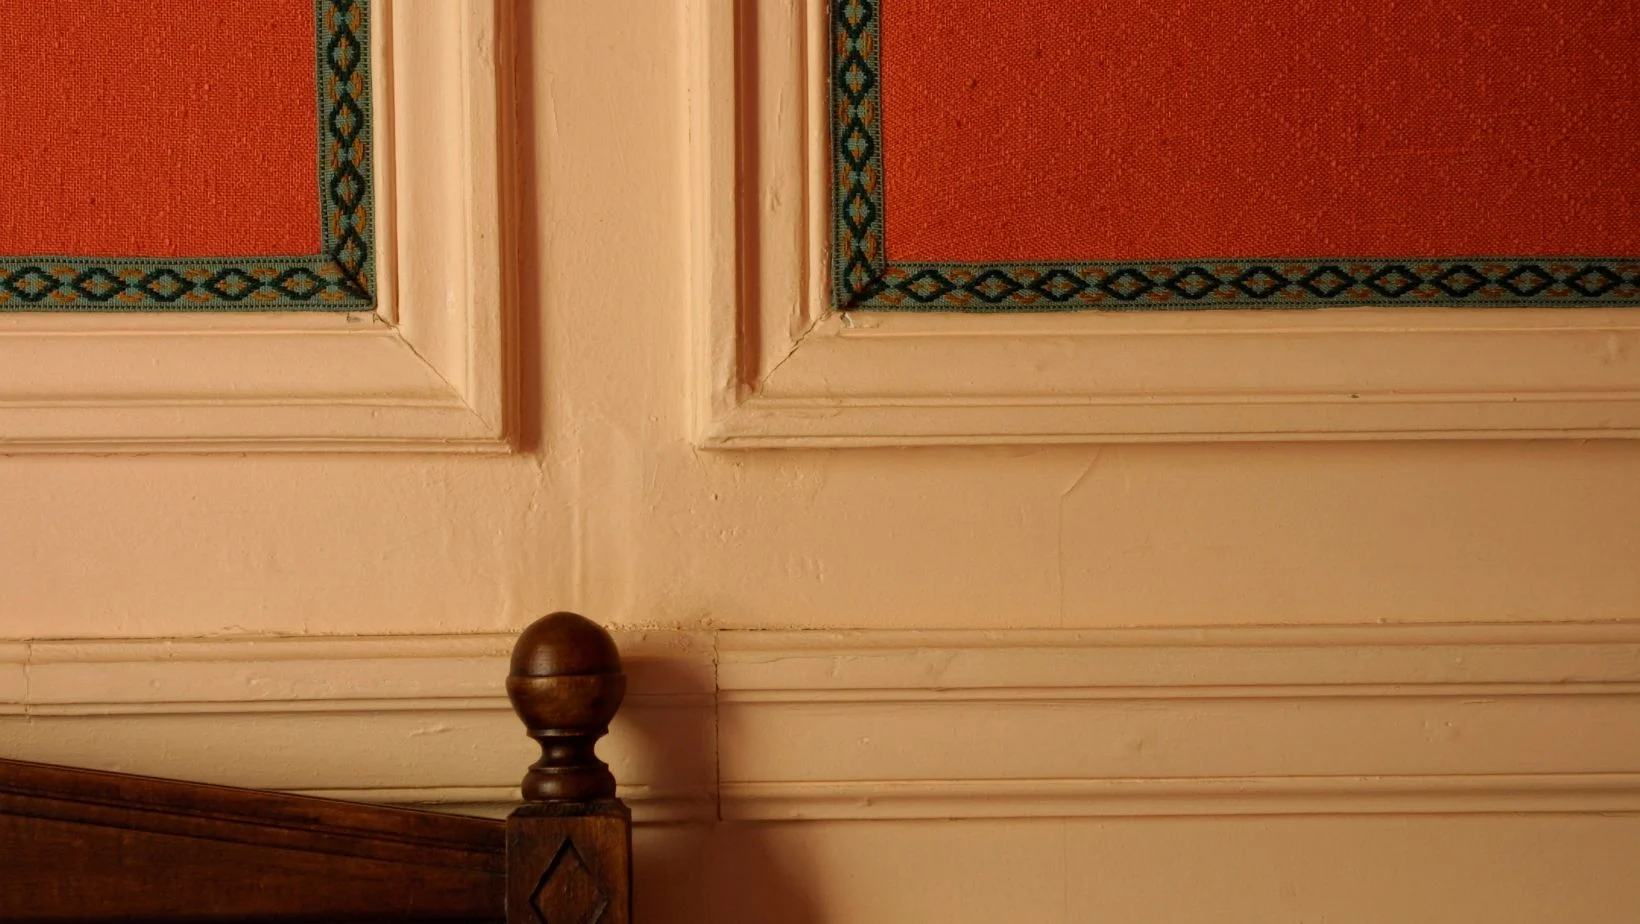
609,508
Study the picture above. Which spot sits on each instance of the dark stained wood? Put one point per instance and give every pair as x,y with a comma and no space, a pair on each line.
569,851
81,845
566,684
78,845
570,863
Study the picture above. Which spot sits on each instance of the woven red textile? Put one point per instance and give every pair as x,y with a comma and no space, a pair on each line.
1031,130
163,128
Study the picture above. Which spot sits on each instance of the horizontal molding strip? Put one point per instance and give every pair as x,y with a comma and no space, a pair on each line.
387,720
1246,691
1145,663
426,704
1196,721
1140,798
316,674
751,725
649,805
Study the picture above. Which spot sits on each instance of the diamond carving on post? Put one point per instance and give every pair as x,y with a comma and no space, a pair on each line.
568,893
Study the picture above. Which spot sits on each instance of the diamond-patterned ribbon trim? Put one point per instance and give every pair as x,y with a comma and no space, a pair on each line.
1244,284
863,277
339,279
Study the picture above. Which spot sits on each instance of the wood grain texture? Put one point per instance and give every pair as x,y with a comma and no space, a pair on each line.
569,851
80,845
570,863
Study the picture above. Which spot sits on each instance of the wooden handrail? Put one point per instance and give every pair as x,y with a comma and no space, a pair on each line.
83,845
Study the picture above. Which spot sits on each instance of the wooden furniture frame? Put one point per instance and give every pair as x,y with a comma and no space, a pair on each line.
78,845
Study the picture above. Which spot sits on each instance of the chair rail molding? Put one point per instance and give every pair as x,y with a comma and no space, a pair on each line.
775,366
1299,720
428,370
396,720
748,725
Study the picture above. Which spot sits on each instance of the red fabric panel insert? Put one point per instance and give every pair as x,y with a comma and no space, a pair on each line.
163,128
1037,130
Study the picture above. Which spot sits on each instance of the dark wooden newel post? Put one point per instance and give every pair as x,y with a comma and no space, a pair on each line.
569,849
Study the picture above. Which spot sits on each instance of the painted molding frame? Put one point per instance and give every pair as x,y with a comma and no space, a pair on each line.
777,367
428,370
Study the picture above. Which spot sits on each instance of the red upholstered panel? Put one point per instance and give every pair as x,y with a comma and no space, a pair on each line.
1072,130
158,128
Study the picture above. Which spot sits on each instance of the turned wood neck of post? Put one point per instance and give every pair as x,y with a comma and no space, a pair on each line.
566,684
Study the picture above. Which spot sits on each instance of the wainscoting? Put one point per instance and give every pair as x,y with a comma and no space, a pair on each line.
869,725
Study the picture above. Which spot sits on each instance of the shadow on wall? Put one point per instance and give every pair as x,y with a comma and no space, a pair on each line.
524,188
686,873
693,873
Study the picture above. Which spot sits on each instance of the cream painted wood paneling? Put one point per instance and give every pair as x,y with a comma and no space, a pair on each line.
1162,722
337,623
885,725
610,510
402,720
427,370
778,368
1416,870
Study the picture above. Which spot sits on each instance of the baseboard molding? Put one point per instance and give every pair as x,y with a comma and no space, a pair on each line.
762,726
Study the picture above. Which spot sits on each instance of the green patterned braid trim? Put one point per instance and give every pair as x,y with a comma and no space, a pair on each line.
863,278
340,278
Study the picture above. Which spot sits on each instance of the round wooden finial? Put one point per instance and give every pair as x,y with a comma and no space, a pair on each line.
566,684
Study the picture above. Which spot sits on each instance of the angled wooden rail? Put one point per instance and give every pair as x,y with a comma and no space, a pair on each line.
82,845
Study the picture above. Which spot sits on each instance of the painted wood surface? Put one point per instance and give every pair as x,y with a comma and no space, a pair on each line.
247,587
